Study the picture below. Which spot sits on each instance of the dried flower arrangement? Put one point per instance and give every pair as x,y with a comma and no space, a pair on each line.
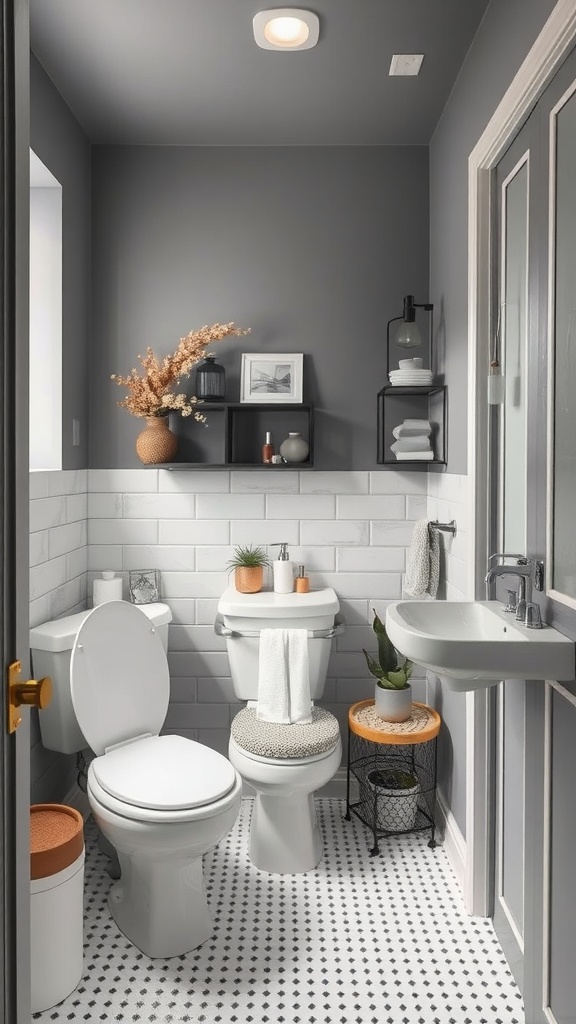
152,393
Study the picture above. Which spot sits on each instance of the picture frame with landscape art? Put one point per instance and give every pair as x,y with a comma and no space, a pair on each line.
271,377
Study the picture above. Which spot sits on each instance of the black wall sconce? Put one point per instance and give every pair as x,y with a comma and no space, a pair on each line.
408,335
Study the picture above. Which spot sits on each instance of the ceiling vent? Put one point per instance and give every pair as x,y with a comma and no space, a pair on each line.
406,63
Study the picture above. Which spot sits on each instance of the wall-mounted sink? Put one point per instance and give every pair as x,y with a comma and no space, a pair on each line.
474,644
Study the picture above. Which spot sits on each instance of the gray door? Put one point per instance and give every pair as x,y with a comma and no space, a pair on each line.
533,479
15,747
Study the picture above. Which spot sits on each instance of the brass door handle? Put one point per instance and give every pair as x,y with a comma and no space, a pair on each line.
25,692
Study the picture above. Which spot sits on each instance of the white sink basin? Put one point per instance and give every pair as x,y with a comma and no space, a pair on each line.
474,644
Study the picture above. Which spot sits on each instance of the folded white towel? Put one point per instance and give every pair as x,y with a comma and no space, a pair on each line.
283,677
273,694
423,425
403,431
299,676
420,456
418,443
423,565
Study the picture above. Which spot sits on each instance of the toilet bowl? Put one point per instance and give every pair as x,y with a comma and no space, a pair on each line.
162,801
284,764
284,833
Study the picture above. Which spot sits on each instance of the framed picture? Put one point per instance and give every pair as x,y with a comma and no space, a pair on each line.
271,377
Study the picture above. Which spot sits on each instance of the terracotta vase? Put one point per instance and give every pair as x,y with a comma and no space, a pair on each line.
248,579
156,443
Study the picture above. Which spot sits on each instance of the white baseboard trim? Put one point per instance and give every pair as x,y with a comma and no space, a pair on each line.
78,800
454,842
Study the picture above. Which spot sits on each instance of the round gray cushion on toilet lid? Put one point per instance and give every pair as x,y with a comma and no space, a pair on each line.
271,739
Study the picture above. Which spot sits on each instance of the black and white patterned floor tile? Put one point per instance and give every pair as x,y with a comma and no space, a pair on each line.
360,940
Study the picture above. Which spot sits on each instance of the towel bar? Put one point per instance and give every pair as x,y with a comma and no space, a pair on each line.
445,527
313,634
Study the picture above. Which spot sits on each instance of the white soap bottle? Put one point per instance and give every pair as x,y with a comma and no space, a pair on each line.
283,570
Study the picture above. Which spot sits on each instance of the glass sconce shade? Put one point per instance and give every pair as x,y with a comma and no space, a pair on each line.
210,380
408,335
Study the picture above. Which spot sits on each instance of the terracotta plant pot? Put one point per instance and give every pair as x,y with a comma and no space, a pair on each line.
248,579
156,443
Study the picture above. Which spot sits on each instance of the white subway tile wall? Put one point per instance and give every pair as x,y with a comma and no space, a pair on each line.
58,543
58,580
350,530
448,498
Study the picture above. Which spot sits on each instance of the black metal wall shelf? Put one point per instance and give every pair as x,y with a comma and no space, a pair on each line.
235,433
395,404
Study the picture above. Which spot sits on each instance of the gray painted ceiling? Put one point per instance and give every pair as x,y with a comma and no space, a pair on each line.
188,72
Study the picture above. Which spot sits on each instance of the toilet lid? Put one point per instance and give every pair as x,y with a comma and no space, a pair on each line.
165,773
119,679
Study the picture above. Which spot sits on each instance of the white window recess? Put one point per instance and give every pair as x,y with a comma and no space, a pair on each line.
45,317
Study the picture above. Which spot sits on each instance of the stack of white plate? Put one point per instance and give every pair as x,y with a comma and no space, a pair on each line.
412,377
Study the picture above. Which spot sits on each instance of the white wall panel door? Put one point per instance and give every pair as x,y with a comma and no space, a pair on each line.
533,501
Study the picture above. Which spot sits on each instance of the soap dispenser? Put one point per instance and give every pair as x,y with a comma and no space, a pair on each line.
283,570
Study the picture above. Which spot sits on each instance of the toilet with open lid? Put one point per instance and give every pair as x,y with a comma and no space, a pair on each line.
162,801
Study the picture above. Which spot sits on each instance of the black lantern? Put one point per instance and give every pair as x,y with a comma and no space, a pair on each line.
210,380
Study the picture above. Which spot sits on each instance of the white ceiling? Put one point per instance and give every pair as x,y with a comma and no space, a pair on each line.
188,72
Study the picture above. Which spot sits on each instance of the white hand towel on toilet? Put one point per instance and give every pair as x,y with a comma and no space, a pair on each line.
283,677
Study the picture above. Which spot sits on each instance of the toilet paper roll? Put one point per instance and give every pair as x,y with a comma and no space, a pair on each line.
107,589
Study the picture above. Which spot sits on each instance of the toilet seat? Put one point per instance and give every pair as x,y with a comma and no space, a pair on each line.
277,741
164,773
289,762
119,678
153,816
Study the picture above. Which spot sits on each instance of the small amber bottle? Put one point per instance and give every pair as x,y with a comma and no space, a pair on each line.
302,583
267,448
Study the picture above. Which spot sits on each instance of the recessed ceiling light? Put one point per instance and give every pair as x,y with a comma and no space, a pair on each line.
286,28
406,63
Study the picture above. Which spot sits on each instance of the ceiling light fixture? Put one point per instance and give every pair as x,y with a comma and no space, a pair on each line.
286,28
406,63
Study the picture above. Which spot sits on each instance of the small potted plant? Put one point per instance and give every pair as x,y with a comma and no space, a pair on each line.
393,693
396,793
248,564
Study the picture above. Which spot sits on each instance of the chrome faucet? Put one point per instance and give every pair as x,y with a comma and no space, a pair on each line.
523,571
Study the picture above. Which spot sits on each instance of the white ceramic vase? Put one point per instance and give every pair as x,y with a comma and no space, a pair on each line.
294,448
393,705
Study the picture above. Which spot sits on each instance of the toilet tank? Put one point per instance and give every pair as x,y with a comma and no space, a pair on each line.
51,646
249,613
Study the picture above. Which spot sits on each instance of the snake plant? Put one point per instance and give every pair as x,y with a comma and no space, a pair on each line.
390,671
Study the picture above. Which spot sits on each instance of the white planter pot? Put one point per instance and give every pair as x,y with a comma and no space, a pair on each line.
393,705
395,808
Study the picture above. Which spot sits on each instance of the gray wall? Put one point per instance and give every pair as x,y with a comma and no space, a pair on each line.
505,36
313,248
56,137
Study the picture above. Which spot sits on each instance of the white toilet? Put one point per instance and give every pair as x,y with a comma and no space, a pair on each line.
162,801
284,764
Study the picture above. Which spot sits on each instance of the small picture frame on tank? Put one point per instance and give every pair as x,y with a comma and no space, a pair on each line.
144,586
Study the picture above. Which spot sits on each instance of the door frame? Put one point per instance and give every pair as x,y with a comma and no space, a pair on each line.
541,63
14,533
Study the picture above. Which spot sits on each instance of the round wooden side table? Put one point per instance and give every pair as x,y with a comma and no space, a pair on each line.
393,768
